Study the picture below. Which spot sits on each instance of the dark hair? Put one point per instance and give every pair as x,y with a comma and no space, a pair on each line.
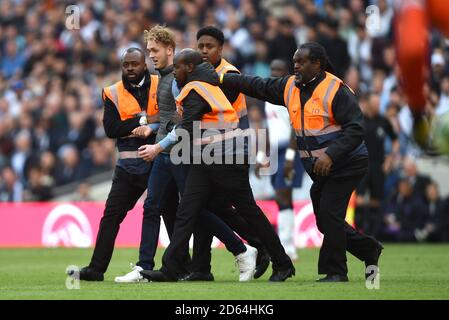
133,49
211,31
317,52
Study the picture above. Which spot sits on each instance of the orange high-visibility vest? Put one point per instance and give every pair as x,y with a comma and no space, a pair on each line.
222,116
127,105
240,103
318,127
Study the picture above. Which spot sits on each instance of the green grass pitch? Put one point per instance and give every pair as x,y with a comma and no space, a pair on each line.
407,272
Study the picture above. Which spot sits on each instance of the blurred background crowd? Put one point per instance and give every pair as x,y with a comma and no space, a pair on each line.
51,77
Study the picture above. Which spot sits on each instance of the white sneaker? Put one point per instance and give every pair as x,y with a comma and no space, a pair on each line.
133,276
246,263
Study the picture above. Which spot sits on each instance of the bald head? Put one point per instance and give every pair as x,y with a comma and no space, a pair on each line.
137,52
184,64
189,56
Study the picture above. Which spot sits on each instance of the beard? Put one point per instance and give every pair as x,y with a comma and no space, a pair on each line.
137,79
298,79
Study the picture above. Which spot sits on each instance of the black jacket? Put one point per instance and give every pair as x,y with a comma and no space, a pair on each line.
116,128
195,106
345,109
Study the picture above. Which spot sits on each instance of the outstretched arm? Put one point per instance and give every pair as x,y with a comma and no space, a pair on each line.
267,89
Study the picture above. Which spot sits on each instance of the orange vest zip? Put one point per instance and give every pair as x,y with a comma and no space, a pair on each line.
127,105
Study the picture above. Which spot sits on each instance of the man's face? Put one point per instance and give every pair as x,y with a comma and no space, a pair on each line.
133,66
159,53
305,69
210,49
180,71
278,69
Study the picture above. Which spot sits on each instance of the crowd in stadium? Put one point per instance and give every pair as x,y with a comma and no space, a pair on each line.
51,77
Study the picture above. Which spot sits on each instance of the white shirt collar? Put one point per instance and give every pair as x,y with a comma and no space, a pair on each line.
140,83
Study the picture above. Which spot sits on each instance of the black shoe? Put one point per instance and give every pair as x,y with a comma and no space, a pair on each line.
86,274
333,278
282,275
375,260
156,276
262,263
198,276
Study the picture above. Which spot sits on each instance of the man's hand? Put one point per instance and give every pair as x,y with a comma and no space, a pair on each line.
149,151
288,169
323,165
142,131
258,167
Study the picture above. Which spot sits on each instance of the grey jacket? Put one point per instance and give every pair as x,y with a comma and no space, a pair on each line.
166,102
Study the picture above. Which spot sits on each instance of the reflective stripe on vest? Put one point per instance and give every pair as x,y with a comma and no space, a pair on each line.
128,154
320,127
222,116
127,106
240,103
318,115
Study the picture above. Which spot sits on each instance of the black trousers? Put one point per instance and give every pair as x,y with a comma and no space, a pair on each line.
232,181
330,198
165,181
126,189
201,257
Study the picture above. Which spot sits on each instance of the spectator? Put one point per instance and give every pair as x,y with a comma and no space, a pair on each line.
359,49
419,182
377,129
443,104
11,190
22,157
284,45
38,188
71,169
260,66
437,64
47,165
433,225
336,47
409,214
13,60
